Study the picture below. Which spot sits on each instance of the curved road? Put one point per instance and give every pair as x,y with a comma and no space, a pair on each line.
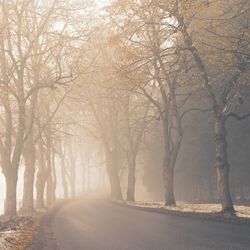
99,225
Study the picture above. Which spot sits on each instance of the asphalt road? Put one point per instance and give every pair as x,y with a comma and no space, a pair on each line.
99,225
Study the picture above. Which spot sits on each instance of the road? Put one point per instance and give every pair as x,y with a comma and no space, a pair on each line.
96,224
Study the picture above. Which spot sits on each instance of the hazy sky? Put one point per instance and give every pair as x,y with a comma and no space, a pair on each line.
103,2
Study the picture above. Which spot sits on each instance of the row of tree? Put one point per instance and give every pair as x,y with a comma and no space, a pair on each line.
40,47
131,80
185,56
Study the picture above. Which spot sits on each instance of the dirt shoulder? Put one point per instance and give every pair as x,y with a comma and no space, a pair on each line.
29,232
43,237
199,211
17,231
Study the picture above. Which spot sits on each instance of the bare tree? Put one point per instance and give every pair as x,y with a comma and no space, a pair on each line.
222,90
135,121
152,66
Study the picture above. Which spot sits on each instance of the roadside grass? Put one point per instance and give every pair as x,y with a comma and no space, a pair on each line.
202,211
17,232
242,211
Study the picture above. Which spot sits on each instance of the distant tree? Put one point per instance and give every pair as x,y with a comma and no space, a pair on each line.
144,42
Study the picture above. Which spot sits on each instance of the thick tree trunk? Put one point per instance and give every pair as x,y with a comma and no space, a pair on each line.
115,186
40,188
51,180
211,187
131,180
222,165
11,163
27,202
41,177
233,194
169,184
51,197
10,202
168,168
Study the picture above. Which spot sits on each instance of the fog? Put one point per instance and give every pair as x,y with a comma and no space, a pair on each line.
133,100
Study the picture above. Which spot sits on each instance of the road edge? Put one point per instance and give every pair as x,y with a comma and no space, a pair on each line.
214,217
45,228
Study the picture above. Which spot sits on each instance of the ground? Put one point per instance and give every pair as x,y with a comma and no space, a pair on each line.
206,210
105,225
98,223
16,232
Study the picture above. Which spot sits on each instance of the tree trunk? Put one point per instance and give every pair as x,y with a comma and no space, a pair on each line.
27,202
88,177
169,184
241,193
168,168
210,193
83,180
54,176
222,165
233,194
40,188
41,177
72,171
83,165
51,180
115,186
73,181
131,180
51,198
64,180
10,202
29,159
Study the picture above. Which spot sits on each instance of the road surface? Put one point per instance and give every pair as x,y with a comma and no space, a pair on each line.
99,225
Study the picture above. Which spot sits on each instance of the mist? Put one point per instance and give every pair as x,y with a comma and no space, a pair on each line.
135,102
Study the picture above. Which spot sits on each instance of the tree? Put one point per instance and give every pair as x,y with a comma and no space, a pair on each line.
36,53
149,60
222,90
136,119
